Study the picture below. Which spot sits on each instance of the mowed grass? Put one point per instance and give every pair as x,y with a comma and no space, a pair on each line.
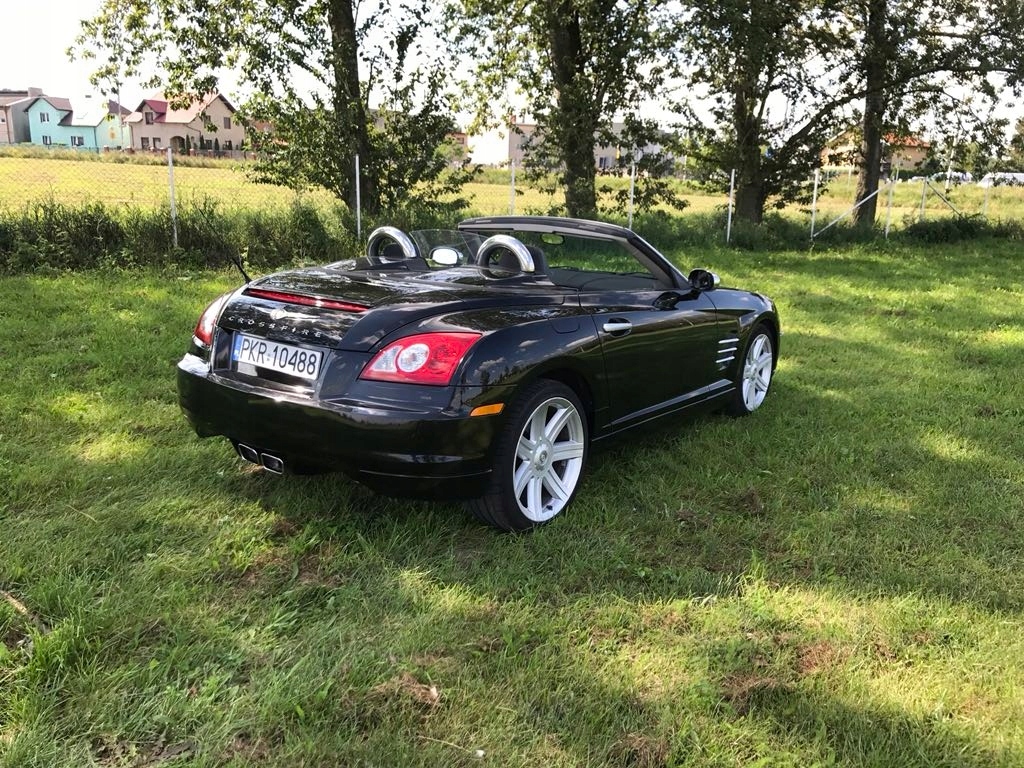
29,179
836,580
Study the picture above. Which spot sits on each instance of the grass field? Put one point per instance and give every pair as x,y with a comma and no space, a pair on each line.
28,179
836,580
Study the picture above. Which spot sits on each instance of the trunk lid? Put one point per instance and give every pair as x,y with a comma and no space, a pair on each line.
354,310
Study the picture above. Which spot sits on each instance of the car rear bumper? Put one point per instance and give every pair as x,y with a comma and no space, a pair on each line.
425,453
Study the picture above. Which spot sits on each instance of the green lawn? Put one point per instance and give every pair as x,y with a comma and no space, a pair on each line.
836,580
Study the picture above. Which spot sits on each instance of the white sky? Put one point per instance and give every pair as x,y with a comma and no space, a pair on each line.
37,34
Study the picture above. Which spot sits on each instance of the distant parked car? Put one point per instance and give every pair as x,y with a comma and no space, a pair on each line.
477,363
1002,179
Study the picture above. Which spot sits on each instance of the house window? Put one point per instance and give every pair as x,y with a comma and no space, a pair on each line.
156,143
3,119
77,141
227,123
44,117
227,143
46,141
149,118
145,142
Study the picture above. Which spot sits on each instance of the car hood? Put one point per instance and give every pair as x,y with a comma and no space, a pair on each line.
282,306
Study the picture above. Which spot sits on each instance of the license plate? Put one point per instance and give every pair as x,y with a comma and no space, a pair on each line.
272,355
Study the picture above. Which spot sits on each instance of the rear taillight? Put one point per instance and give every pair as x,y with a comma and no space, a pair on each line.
426,358
203,334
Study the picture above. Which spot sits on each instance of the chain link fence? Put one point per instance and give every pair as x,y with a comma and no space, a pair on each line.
170,182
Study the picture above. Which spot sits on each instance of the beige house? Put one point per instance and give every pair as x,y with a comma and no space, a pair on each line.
906,152
208,123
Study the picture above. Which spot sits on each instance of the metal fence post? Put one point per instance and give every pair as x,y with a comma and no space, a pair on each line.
359,203
814,201
632,189
924,193
512,189
984,202
888,207
728,221
174,206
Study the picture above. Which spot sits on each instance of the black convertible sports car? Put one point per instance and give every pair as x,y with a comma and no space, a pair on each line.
477,364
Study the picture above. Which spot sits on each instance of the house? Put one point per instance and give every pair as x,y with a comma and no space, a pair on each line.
88,123
906,152
207,123
606,156
13,120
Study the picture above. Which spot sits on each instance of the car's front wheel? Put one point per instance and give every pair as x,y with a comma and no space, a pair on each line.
754,377
539,459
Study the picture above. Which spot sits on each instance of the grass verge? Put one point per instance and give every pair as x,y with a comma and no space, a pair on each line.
836,580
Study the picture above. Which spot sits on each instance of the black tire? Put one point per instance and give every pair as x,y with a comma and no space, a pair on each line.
558,409
751,389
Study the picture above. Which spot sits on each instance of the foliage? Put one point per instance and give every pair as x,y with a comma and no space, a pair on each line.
578,64
775,52
889,65
914,60
305,137
52,236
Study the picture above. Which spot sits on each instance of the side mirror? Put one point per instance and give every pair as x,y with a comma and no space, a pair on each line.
703,280
446,257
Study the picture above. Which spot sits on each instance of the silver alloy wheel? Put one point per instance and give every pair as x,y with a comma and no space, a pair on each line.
757,371
549,459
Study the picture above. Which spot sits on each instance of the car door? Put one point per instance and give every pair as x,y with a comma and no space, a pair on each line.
659,350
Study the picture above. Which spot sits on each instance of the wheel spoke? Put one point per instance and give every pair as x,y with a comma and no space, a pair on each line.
537,425
566,450
520,477
756,349
557,423
555,485
762,380
525,448
764,361
534,496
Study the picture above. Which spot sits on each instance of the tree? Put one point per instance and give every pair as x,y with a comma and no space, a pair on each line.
317,134
919,56
882,65
747,54
578,64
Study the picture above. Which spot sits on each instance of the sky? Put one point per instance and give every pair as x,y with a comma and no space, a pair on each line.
33,54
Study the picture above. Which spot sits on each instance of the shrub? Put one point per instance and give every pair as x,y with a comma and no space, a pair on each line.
49,235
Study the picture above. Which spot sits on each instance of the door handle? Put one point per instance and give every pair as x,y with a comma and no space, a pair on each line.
617,326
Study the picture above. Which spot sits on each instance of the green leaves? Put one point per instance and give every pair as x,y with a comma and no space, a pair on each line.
317,130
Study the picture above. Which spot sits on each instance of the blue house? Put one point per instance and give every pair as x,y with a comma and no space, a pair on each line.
94,124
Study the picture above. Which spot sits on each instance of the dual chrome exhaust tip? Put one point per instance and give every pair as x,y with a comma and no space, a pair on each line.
268,461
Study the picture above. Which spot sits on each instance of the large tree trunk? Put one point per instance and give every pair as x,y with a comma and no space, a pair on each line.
875,61
575,133
750,186
350,118
750,200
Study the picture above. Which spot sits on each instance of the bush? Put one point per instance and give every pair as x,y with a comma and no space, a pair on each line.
53,236
955,230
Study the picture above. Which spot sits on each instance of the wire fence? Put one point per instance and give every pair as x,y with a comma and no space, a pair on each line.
170,181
